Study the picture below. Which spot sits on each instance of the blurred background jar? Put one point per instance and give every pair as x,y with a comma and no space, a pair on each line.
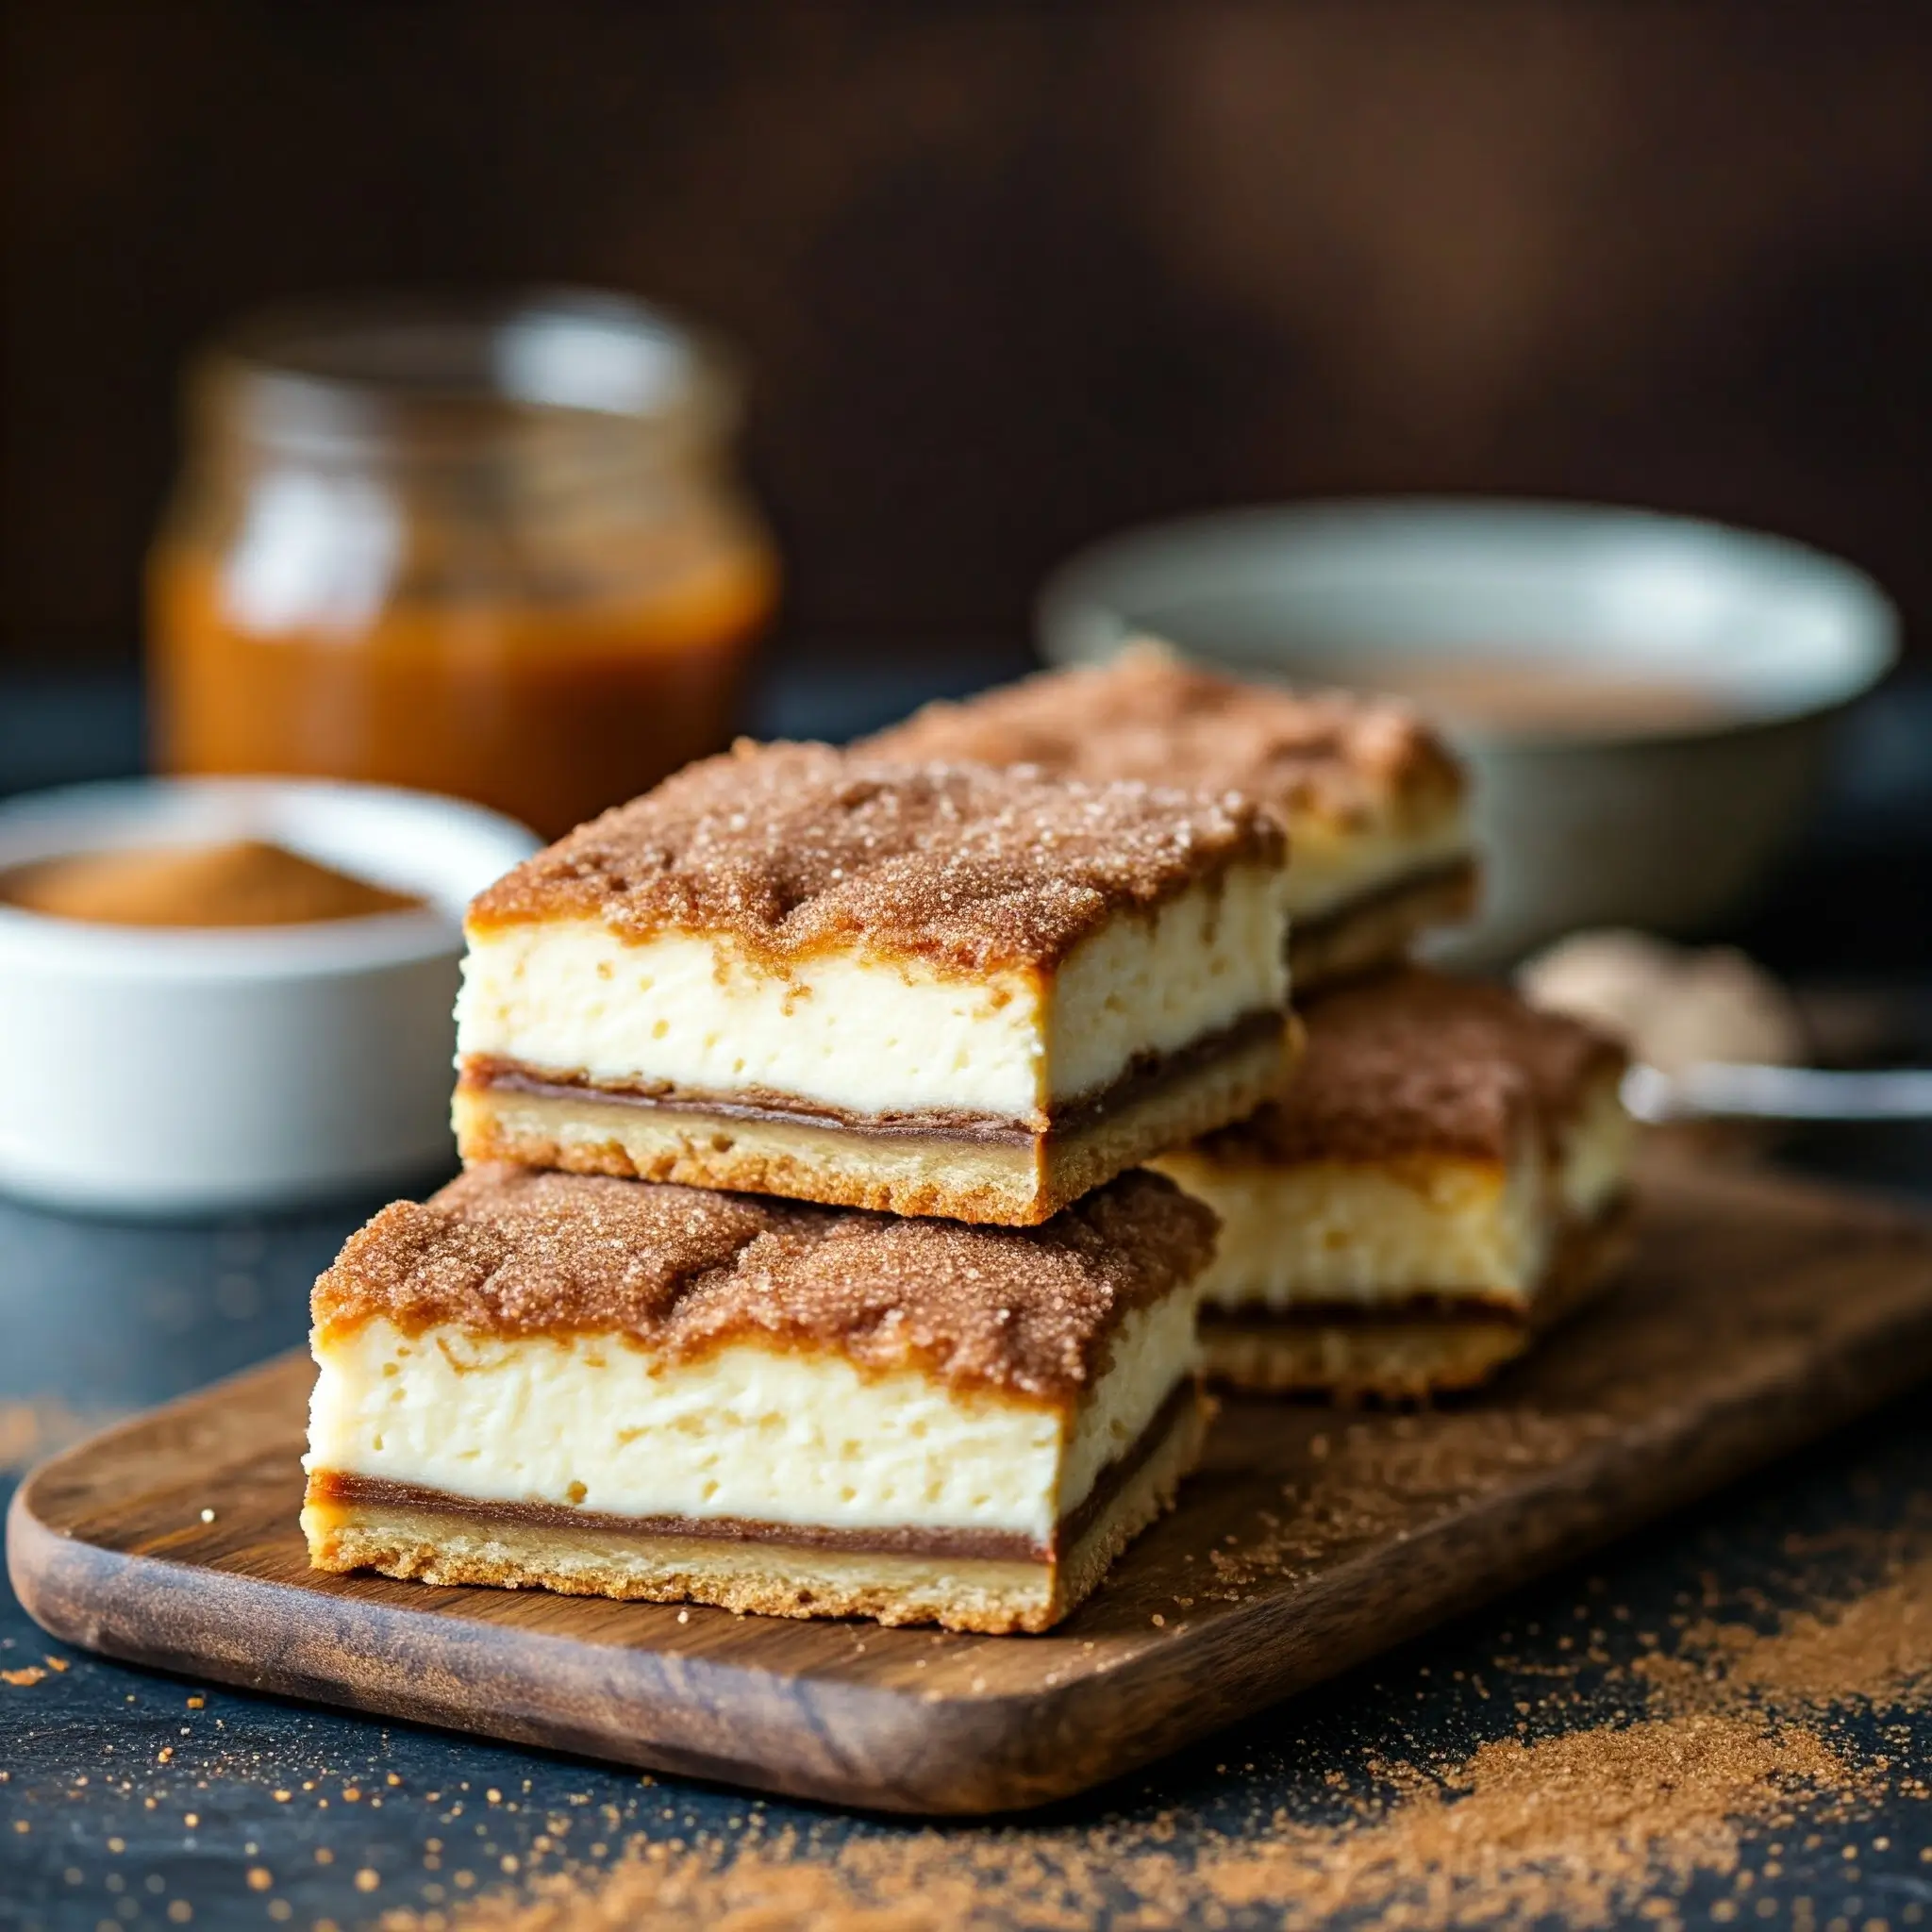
494,548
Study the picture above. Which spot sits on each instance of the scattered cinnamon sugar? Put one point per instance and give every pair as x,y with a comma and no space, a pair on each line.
1388,1476
793,850
1573,1828
243,882
1729,1740
1876,1649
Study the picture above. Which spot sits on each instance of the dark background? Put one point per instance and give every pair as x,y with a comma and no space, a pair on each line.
1012,277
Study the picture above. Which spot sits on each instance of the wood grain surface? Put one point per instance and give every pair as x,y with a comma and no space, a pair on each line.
1758,1314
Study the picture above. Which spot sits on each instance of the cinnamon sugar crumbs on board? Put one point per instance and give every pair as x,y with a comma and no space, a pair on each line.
1729,1738
1381,1479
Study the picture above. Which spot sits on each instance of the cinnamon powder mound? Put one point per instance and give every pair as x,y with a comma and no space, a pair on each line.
245,882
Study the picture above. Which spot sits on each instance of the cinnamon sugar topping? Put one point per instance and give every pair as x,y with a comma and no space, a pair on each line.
504,1250
1411,1062
1330,756
797,849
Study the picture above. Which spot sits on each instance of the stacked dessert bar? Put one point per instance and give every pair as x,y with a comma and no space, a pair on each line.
1447,1172
808,1258
803,1262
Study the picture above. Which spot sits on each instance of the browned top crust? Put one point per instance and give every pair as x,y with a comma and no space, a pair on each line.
1029,1312
1411,1062
1329,756
795,849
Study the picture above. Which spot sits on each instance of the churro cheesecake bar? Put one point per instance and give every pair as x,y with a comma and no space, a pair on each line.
929,989
631,1390
1375,802
1446,1177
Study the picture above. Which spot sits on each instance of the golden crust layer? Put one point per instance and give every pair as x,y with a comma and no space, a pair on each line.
1408,1353
1413,1062
685,1270
788,1580
1332,757
1010,1181
794,850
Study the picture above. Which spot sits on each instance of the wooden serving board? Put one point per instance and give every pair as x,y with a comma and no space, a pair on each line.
1758,1314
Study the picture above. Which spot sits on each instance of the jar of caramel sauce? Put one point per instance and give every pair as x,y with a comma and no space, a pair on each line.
489,548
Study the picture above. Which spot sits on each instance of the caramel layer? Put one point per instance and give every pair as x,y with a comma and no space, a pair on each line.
1146,1076
1019,1185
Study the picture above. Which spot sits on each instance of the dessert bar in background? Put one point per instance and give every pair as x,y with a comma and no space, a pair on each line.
1374,804
931,989
629,1390
1446,1176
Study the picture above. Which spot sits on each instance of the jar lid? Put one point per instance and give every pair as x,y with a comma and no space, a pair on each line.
352,372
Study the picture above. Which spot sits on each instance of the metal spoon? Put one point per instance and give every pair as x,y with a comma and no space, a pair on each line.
1734,1091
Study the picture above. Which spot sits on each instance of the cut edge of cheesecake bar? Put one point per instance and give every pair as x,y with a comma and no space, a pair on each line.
1408,1352
449,1541
617,1387
788,960
1447,1177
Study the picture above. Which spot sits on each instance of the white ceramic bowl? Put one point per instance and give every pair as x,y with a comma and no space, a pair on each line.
1671,829
150,1071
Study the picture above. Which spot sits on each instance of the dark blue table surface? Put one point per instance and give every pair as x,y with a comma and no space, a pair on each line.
263,1812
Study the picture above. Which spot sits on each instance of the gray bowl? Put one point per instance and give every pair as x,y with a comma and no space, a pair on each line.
1666,823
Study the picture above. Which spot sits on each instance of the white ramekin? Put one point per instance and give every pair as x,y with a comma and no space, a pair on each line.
190,1070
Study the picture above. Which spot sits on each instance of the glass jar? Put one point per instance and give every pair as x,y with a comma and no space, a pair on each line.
487,548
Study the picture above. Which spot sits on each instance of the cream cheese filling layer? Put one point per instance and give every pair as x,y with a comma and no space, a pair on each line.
1333,865
873,1034
1365,1233
602,1424
1595,1152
